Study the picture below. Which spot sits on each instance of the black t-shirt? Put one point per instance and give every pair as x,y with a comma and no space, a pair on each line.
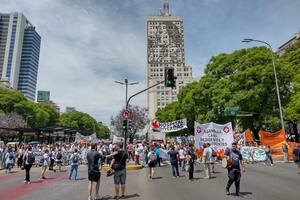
93,158
120,159
173,156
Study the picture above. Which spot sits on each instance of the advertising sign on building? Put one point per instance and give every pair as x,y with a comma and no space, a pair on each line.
220,136
43,96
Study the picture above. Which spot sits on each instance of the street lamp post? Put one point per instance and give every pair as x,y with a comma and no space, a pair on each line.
126,83
275,75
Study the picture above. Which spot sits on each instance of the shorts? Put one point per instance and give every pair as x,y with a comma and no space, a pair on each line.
152,163
94,176
120,177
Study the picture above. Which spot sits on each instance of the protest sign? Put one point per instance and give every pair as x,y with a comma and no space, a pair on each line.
220,136
173,126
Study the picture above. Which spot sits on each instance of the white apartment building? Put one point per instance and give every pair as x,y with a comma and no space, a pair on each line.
165,48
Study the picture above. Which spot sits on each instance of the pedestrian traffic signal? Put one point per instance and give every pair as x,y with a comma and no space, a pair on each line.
169,77
124,125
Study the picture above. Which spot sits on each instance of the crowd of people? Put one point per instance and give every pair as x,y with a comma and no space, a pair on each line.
181,158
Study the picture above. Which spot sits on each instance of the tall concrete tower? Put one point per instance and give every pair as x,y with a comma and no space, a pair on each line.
165,48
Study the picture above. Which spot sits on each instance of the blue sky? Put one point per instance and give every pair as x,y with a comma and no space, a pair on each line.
88,44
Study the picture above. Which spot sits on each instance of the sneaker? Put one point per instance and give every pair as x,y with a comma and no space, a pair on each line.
97,197
227,192
90,198
237,194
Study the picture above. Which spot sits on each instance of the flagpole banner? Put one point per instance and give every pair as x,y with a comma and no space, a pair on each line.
274,140
220,136
173,126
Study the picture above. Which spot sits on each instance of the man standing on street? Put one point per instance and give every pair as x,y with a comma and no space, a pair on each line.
207,160
94,158
118,164
174,157
234,156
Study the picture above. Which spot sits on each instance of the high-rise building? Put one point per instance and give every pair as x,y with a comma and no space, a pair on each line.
165,48
282,49
19,53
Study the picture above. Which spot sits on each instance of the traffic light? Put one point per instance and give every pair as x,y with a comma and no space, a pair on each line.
130,127
169,77
124,125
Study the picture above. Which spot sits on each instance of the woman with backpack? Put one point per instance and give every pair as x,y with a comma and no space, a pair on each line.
152,162
59,159
28,161
74,164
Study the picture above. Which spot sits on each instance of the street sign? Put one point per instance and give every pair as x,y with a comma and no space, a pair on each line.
125,114
234,111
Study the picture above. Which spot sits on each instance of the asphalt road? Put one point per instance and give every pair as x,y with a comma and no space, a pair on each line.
260,182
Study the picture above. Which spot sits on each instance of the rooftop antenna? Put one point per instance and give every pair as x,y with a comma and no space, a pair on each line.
166,9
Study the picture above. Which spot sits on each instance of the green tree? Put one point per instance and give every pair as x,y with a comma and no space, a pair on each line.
243,78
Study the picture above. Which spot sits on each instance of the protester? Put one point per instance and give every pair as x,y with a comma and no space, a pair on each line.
268,155
234,156
208,160
74,164
190,160
28,160
296,154
21,152
94,174
285,150
59,159
52,158
9,160
130,150
157,153
174,157
45,163
118,164
152,157
182,157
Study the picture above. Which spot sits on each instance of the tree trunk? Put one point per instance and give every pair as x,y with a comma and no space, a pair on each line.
296,132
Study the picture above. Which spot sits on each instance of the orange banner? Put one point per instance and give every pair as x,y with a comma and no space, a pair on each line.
248,136
274,140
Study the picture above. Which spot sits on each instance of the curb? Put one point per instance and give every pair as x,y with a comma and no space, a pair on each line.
105,167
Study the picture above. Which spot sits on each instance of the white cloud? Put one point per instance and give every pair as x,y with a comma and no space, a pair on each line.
83,51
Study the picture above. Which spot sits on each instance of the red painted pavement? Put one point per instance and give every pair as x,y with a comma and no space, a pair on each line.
15,191
9,177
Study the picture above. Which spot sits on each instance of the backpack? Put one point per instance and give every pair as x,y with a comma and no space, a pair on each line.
30,158
75,159
10,156
152,157
59,156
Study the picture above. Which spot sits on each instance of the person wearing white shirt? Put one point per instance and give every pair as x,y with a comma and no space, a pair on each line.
45,163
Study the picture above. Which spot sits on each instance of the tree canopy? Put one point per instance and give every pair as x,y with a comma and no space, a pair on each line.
244,79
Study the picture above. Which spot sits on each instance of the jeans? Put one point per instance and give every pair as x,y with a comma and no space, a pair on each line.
182,164
285,157
27,172
73,168
234,175
158,161
191,171
269,157
175,169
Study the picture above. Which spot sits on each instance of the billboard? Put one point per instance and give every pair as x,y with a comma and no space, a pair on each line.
43,96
